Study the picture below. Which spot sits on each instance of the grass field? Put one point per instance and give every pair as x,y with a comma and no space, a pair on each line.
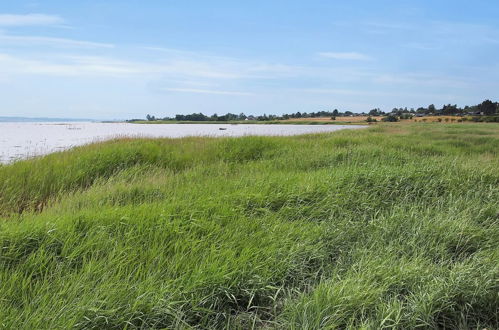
394,226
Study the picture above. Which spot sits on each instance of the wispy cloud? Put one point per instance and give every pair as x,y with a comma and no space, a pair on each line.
424,46
79,65
338,91
422,79
353,56
405,26
29,19
66,66
49,41
194,67
436,33
206,91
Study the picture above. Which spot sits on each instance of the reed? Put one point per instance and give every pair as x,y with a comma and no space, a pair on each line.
392,226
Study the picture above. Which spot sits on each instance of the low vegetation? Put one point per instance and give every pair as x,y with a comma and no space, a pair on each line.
394,226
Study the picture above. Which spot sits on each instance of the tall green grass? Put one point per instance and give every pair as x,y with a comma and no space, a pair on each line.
392,226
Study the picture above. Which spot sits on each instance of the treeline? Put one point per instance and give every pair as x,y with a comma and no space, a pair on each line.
486,108
234,117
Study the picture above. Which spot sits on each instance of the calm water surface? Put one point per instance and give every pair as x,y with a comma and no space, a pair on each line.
23,140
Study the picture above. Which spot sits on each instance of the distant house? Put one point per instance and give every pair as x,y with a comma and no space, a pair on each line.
250,118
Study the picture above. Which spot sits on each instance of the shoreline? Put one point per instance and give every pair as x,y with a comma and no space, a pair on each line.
29,140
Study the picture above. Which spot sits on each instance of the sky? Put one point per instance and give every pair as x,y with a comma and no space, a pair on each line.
124,59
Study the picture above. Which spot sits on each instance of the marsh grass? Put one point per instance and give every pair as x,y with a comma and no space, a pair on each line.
392,226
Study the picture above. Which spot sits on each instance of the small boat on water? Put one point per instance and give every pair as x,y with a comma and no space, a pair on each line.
222,128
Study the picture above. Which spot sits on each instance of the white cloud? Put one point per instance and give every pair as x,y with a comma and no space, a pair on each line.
29,19
48,41
339,91
206,91
421,79
65,66
354,56
196,67
71,65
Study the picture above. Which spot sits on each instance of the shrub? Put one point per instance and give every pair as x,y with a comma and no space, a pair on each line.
390,118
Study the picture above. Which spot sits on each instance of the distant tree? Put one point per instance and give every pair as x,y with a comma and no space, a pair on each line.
231,116
374,112
487,107
449,109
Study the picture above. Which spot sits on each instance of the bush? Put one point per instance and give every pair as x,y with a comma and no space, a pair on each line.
390,118
491,119
371,119
333,117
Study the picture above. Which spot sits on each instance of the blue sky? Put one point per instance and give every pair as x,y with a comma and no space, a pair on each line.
122,59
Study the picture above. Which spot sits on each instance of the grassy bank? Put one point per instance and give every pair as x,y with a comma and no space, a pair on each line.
391,226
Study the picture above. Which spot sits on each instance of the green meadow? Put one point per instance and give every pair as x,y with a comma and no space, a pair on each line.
393,226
